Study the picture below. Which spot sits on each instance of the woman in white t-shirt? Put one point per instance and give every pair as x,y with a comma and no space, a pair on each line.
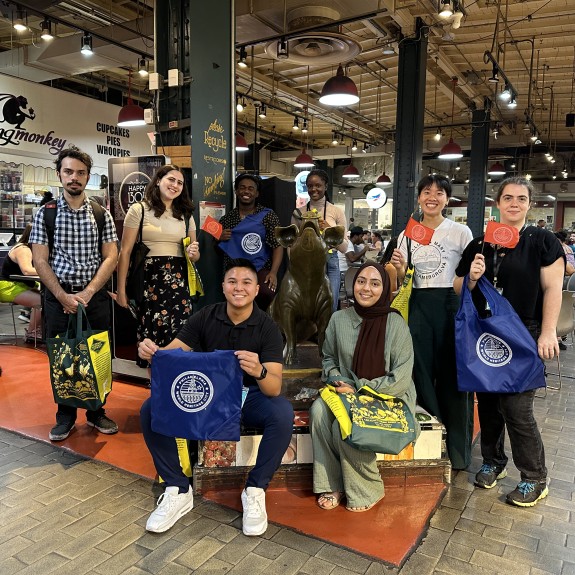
432,308
167,210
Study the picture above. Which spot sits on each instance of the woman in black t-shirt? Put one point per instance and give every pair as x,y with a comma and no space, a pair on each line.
530,276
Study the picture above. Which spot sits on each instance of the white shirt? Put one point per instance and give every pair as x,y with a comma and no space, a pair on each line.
435,263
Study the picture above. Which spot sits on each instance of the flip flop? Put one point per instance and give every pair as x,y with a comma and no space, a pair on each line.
366,508
331,500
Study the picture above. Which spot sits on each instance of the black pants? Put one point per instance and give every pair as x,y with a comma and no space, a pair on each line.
98,312
432,325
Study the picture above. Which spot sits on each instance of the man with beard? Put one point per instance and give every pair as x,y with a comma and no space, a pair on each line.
248,232
74,266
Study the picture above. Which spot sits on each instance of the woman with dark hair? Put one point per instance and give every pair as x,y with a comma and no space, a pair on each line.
19,261
167,218
330,215
432,308
529,276
365,344
563,236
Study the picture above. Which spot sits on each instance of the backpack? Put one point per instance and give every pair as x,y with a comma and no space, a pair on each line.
50,211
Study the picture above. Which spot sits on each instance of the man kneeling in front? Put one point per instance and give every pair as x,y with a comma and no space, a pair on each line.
240,325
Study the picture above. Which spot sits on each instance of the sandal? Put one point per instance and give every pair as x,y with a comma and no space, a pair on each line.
366,508
329,500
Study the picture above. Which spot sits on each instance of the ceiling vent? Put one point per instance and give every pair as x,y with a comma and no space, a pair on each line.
322,48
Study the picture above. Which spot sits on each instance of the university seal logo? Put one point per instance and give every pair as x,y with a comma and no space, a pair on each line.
503,235
192,391
251,243
493,351
418,232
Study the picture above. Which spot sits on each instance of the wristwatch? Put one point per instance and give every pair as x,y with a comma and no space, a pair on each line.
263,374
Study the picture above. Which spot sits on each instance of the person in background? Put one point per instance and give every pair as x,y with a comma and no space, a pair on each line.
365,344
376,241
167,211
75,270
571,241
541,224
329,215
562,236
351,224
432,308
529,277
27,293
47,196
240,325
356,255
267,256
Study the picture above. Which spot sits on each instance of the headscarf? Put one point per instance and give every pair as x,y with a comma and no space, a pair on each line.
369,355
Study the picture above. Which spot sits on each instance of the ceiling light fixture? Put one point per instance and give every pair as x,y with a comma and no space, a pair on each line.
437,136
143,67
389,48
505,94
339,90
304,160
304,126
242,58
46,28
263,111
131,114
86,45
19,24
494,76
334,139
350,172
239,104
295,124
241,143
354,146
497,169
445,8
458,167
282,49
513,102
451,150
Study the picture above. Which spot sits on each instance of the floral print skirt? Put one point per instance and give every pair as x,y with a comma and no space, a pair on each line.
167,304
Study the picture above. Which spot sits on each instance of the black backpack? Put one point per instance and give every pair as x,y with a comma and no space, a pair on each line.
50,211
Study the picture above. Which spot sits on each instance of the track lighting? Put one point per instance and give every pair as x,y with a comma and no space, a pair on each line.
295,124
505,94
334,139
240,104
458,167
513,102
282,49
86,46
243,57
354,145
263,111
143,67
365,148
494,76
46,27
304,126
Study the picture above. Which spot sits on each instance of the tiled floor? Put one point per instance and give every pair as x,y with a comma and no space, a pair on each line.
62,513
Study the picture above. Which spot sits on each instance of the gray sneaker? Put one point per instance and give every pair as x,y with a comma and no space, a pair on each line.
61,431
488,475
103,424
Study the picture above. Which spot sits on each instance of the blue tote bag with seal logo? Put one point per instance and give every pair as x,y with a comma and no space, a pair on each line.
496,354
197,395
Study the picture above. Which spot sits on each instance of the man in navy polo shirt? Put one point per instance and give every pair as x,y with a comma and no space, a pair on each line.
240,325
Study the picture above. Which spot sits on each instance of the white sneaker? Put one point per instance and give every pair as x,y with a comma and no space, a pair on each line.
255,521
171,506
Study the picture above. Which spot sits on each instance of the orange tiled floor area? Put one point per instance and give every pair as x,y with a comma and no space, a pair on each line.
388,532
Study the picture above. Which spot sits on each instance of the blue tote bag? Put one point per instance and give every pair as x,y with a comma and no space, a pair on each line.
496,354
197,395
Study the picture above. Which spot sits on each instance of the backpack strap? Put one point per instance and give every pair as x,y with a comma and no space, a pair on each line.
51,210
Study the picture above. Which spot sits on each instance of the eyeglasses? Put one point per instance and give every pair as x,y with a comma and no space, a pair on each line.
246,188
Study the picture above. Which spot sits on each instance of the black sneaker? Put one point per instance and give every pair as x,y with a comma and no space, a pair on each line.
528,493
562,346
103,424
61,431
488,475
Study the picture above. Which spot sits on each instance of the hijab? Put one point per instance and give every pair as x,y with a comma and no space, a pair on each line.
369,355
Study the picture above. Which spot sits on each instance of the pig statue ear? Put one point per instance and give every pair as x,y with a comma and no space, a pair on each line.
334,236
286,236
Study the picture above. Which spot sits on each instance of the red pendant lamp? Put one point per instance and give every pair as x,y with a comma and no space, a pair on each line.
339,90
451,150
241,143
131,114
304,160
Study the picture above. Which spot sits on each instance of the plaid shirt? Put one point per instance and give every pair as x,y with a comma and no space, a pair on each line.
76,256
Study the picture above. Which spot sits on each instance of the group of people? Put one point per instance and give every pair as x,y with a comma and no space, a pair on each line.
366,344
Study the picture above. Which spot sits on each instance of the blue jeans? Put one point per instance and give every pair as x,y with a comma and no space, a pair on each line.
332,270
272,414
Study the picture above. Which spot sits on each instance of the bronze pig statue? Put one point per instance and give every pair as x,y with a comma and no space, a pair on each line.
303,305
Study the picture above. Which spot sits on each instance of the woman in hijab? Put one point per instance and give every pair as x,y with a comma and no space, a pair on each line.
365,344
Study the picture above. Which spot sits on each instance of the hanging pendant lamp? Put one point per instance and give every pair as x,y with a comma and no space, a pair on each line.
304,160
497,169
131,114
451,150
350,172
339,90
384,181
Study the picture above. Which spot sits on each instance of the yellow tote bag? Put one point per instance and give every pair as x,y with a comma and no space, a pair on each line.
194,280
401,300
